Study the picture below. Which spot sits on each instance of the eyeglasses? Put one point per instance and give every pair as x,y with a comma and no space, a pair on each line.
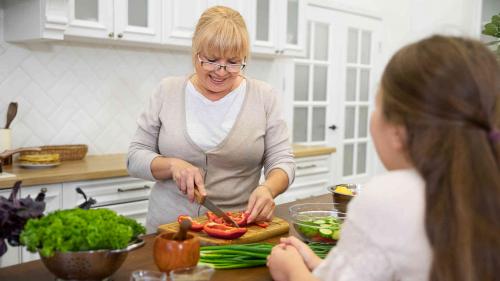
213,66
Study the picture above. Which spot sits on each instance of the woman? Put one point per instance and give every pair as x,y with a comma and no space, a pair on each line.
435,214
213,131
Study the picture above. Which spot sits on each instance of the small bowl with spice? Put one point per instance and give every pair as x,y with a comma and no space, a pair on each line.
343,193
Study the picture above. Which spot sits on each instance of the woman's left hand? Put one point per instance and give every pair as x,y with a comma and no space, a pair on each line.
260,205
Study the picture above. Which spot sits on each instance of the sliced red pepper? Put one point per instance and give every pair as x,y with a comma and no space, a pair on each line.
262,224
195,226
239,217
223,231
214,218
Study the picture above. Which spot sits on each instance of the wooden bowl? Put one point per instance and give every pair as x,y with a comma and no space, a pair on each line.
171,254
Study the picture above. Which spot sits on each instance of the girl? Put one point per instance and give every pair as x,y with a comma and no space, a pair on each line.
436,214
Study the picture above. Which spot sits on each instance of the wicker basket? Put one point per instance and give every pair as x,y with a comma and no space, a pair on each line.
66,152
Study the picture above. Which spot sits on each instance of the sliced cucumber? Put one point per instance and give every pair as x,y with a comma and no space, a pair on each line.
325,225
335,235
325,232
320,222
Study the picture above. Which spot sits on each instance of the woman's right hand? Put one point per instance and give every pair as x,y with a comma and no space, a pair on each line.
310,258
187,177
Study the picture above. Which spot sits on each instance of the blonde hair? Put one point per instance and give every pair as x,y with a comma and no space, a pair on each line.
221,31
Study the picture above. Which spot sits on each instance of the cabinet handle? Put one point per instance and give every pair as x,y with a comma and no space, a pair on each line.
306,167
145,187
282,51
276,51
111,35
120,35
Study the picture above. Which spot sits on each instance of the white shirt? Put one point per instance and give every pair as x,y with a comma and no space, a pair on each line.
208,122
383,237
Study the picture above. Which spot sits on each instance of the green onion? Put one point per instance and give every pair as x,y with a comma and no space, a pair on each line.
246,255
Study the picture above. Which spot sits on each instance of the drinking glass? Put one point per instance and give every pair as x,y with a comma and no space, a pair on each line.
148,275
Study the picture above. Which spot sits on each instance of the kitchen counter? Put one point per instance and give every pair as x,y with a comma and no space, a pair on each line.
90,168
95,167
143,259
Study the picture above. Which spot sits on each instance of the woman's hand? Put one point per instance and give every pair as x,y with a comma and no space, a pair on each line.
309,257
260,205
286,263
187,177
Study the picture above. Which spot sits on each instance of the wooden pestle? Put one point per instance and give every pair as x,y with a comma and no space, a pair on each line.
184,226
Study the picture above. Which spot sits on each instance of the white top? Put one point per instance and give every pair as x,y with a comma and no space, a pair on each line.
208,122
383,237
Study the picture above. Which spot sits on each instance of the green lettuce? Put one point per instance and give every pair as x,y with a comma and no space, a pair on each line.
79,230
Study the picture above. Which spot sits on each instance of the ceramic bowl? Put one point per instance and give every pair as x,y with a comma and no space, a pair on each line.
342,199
171,254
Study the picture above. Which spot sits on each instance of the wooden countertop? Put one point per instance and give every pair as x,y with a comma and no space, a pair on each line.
142,259
103,166
90,168
305,151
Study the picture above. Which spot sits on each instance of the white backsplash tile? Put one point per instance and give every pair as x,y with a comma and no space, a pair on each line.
76,92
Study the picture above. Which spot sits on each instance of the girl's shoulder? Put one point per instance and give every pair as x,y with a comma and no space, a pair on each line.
396,198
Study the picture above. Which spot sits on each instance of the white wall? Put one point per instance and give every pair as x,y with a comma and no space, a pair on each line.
71,92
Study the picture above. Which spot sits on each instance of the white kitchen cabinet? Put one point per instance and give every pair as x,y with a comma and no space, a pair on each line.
28,20
277,35
53,202
125,195
179,20
313,175
127,20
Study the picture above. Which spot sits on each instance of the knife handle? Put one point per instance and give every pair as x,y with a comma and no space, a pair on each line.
198,197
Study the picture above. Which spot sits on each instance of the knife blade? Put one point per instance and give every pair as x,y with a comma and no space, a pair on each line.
207,203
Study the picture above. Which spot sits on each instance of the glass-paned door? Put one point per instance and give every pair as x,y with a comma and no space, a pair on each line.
334,89
310,104
358,70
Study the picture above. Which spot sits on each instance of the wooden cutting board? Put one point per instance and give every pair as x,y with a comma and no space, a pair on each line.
255,233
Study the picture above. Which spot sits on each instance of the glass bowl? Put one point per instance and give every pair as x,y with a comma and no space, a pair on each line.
198,273
317,222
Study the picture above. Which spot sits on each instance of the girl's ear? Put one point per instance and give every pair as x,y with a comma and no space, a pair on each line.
398,137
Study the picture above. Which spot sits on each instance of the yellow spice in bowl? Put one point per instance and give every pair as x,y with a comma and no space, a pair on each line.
343,190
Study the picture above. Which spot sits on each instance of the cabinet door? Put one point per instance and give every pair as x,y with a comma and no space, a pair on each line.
312,177
263,25
293,28
53,201
138,20
179,20
91,18
13,254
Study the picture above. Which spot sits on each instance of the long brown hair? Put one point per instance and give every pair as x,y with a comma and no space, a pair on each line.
446,92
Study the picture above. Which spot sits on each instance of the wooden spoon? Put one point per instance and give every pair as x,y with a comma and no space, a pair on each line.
11,114
184,226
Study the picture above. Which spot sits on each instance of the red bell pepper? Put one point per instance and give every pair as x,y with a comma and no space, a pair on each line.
223,231
195,226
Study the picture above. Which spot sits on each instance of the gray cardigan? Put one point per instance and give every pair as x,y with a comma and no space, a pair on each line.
259,138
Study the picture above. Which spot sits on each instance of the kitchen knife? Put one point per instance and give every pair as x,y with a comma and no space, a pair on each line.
203,200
